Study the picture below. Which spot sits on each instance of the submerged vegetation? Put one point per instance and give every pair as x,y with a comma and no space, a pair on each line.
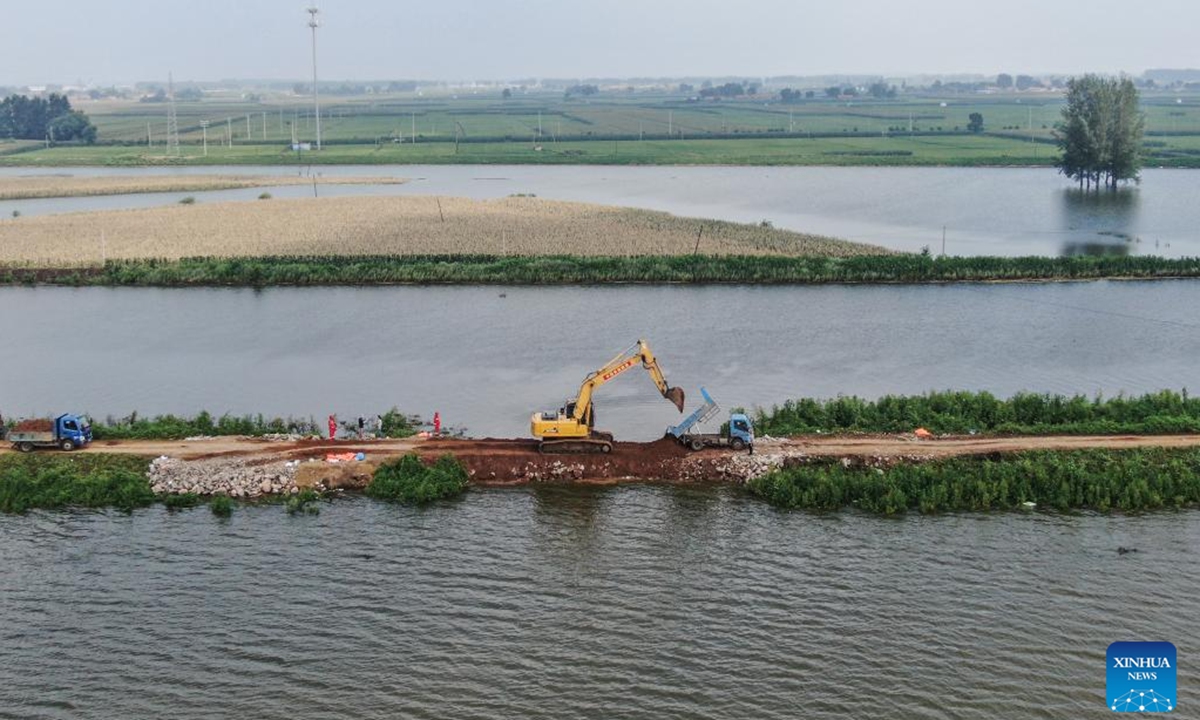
408,480
315,270
962,412
1100,480
302,503
90,480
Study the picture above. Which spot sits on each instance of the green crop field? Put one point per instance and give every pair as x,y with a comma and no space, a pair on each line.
611,127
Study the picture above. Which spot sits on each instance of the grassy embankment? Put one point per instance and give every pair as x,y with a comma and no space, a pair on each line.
1076,480
96,480
92,480
562,270
52,186
1157,413
1100,480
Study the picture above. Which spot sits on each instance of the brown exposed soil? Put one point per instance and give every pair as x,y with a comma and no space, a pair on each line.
36,425
493,461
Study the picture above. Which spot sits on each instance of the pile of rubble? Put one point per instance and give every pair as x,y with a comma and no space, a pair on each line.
237,478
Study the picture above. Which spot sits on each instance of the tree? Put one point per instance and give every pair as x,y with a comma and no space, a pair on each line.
1024,82
73,126
1004,81
27,118
976,122
881,90
833,91
1100,135
506,94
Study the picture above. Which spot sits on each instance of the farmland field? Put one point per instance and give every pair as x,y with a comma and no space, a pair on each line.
392,226
609,128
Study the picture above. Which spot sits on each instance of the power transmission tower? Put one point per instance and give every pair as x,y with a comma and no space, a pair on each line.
172,119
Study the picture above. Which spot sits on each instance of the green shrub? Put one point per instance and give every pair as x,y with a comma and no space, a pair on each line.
1162,412
221,506
408,480
189,200
1100,480
52,480
173,501
265,196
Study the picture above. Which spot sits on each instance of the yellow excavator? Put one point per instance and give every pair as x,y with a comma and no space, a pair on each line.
571,429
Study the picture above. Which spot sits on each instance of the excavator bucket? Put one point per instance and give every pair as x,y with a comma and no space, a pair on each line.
675,395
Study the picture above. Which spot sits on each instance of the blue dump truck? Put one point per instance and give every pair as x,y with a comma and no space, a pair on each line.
65,432
740,434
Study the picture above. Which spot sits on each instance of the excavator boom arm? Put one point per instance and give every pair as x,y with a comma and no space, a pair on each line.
619,364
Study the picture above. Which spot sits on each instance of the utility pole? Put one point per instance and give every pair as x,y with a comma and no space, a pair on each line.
670,123
172,118
264,137
149,137
414,129
229,132
249,133
204,127
314,24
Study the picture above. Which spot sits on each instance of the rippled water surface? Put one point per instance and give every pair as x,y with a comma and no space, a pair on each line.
486,358
553,602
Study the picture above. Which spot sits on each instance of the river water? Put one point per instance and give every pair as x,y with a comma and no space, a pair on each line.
487,357
985,211
554,602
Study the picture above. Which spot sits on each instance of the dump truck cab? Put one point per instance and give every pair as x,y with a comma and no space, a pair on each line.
66,432
75,428
740,428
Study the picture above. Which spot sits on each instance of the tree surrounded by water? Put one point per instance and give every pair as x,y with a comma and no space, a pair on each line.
1101,133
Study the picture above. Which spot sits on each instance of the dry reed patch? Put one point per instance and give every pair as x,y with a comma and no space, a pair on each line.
49,186
391,226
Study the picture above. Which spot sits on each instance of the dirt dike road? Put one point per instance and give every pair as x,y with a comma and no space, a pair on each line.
517,461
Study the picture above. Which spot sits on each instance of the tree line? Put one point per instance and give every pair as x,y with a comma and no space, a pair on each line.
1100,135
50,118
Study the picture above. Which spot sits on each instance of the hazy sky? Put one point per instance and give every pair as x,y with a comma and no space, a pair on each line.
122,41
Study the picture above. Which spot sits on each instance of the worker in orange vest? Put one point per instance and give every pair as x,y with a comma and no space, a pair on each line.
437,423
332,427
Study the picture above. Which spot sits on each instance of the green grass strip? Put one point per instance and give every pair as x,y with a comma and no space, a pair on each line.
1099,480
572,270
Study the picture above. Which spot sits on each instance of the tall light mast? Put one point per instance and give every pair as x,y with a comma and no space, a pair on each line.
314,24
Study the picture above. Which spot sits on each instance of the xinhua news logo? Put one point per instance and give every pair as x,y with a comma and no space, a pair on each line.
1141,677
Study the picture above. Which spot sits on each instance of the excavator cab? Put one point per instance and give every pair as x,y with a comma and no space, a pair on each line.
571,429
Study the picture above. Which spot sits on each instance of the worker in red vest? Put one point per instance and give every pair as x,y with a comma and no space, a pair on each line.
437,423
332,427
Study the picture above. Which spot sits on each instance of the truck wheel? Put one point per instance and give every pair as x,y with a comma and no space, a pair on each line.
737,444
25,447
67,445
696,444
